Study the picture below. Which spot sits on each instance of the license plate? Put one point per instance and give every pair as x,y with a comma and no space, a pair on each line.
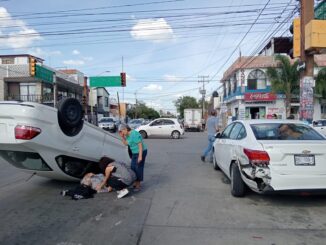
304,160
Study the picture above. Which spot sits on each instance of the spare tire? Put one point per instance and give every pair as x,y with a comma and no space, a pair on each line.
70,112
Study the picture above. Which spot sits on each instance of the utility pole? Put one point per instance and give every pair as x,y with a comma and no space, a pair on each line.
306,76
119,106
201,79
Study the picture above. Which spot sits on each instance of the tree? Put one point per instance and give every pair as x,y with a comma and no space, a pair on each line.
285,80
185,102
142,111
321,83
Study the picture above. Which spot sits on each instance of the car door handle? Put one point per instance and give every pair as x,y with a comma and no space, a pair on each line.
159,127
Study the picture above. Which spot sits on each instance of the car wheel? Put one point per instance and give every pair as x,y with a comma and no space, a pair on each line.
175,134
143,134
70,116
238,187
70,112
216,167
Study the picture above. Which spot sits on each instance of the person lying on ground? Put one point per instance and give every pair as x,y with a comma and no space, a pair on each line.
93,180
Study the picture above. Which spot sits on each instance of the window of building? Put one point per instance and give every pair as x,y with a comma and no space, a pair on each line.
323,108
27,92
235,83
8,61
47,92
229,87
256,80
106,102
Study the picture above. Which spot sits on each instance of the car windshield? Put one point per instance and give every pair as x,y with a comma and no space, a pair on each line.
106,120
284,131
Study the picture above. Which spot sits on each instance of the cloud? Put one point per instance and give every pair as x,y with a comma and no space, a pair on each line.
77,62
74,62
130,78
75,52
156,106
89,58
43,53
171,78
153,87
155,30
15,33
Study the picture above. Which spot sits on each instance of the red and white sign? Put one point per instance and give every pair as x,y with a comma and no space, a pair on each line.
258,96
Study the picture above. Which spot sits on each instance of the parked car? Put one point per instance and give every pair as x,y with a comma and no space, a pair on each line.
54,143
271,155
108,123
320,126
135,123
162,127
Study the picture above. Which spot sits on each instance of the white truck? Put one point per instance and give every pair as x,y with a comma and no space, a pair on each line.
193,119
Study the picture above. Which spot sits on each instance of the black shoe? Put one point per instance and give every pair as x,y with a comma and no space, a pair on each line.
202,158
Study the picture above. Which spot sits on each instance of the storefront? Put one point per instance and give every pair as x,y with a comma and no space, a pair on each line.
257,105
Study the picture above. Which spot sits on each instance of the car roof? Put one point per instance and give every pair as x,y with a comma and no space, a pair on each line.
167,118
264,121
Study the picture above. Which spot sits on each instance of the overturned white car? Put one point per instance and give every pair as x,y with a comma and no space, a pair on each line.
54,143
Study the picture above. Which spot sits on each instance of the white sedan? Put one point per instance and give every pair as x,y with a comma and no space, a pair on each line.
271,155
54,143
162,127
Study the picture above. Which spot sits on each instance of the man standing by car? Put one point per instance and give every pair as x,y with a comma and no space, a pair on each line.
212,126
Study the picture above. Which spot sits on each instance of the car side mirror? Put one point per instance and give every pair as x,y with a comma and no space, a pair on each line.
217,135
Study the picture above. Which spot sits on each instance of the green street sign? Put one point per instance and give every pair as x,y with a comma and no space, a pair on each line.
43,74
105,81
320,11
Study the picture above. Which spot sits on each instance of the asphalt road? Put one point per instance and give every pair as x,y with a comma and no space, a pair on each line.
184,201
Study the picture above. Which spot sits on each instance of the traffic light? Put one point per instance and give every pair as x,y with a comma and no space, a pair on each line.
123,79
295,30
32,66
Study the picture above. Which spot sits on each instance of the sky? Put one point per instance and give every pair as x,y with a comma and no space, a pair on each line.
165,44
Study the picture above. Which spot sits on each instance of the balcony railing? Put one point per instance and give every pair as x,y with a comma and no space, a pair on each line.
46,98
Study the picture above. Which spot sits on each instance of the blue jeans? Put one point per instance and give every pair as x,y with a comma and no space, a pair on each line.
209,148
138,168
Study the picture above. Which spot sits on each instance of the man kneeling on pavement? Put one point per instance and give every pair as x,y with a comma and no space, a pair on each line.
117,176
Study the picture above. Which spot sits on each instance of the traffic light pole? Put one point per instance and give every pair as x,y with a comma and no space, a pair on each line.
306,76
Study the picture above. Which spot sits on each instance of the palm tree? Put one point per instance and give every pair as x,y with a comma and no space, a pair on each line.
285,79
321,83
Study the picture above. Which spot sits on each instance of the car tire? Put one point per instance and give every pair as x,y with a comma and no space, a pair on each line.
216,167
70,116
143,134
70,112
175,134
238,187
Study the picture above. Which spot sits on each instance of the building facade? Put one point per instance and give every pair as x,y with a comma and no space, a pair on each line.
17,82
247,92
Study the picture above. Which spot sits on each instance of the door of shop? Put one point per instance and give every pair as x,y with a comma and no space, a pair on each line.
255,112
